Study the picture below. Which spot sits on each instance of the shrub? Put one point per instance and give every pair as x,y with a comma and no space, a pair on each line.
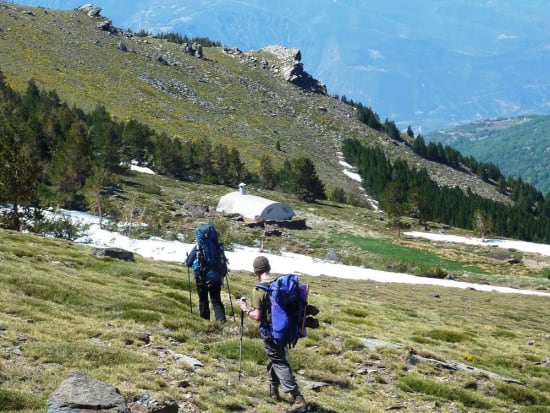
63,228
338,195
356,312
413,383
446,335
521,394
15,400
152,189
433,272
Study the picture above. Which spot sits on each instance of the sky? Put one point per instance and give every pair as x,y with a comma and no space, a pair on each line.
241,257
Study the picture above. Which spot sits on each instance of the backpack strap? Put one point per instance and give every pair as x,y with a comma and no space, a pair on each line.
263,286
266,287
265,322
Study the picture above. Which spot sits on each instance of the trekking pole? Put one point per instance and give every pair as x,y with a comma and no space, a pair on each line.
230,300
241,343
189,285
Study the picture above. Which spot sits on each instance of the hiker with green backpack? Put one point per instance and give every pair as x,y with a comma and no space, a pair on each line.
280,306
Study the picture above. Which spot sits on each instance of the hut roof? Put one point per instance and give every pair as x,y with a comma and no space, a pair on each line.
252,207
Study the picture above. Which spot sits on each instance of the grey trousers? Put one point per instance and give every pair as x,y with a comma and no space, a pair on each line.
278,367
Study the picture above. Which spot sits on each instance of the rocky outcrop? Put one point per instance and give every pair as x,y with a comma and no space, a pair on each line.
106,25
95,12
117,253
414,358
194,50
289,66
90,10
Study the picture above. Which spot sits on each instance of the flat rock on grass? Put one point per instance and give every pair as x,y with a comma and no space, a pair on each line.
79,393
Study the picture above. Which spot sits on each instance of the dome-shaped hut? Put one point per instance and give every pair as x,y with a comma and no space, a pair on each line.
252,207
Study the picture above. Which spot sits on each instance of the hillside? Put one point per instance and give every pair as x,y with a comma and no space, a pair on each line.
519,146
225,97
380,346
427,64
134,324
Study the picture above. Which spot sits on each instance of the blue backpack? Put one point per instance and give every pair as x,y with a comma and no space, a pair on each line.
288,299
210,260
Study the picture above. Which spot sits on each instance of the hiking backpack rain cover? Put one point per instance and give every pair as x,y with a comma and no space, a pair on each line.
210,262
288,299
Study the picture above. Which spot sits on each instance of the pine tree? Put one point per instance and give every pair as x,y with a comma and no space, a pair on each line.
220,165
482,224
394,202
420,206
203,160
106,137
18,174
305,182
93,188
137,143
168,157
268,177
70,167
237,172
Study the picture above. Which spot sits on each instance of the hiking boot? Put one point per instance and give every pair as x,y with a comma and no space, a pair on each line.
311,310
312,322
274,393
299,405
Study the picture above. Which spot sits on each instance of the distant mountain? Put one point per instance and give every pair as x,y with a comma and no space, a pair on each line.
427,64
519,146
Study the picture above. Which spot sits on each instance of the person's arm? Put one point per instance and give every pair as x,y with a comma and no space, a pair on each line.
253,313
191,257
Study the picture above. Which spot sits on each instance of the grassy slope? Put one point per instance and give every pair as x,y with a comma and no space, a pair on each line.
65,310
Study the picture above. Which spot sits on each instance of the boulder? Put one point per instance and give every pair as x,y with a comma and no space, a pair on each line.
94,12
196,210
117,253
79,394
90,10
86,7
146,404
106,25
292,70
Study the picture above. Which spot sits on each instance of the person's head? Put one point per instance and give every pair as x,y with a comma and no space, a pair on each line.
261,265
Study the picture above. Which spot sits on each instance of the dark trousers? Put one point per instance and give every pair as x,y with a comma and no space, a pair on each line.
214,292
278,367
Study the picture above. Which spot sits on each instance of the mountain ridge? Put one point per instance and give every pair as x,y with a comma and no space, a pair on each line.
519,146
222,97
425,64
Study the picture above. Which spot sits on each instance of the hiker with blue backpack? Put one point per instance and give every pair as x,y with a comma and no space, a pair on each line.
280,306
209,263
